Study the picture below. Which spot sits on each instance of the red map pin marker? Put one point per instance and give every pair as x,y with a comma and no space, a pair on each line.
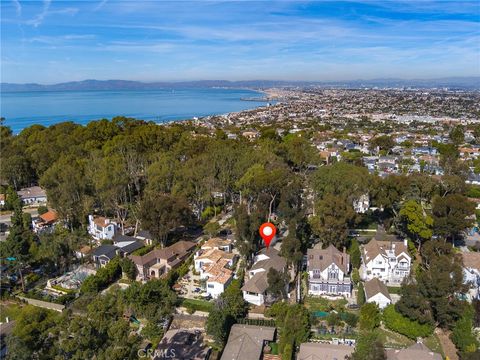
267,232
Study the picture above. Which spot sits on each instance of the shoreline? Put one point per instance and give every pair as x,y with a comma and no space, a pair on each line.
160,103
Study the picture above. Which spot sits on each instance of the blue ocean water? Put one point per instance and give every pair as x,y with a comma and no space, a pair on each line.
22,109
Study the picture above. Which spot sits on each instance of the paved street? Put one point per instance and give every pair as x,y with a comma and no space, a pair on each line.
6,217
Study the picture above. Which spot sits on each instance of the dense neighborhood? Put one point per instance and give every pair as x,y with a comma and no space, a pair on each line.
125,239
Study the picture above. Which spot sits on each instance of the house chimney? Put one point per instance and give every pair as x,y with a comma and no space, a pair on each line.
405,242
344,250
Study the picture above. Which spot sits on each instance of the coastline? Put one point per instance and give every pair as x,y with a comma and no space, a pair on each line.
159,106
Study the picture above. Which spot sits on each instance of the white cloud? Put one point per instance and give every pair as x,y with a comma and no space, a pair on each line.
18,7
39,19
100,5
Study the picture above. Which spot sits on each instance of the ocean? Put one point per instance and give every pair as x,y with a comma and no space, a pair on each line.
22,109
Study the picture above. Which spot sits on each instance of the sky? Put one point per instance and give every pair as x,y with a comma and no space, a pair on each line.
54,41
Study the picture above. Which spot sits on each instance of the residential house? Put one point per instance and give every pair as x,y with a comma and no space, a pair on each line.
44,222
218,243
362,204
377,292
473,178
83,252
255,288
145,236
321,351
182,344
2,199
425,150
128,246
327,271
33,195
471,274
102,255
214,262
159,262
251,134
417,351
388,261
247,342
218,276
470,153
206,258
101,228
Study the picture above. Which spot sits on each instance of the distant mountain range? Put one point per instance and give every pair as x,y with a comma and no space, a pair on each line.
465,83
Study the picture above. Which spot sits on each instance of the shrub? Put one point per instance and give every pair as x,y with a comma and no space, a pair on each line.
462,335
350,319
211,228
355,276
369,317
403,325
360,295
210,212
104,277
333,319
42,210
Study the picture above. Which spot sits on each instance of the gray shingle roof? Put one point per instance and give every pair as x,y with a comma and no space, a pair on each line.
375,286
105,250
245,342
323,258
257,284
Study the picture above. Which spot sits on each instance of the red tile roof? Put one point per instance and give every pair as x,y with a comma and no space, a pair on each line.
49,217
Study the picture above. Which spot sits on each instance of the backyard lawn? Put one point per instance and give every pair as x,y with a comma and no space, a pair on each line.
320,304
196,304
393,339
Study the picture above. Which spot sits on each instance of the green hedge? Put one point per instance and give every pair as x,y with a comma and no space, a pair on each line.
103,278
402,325
462,335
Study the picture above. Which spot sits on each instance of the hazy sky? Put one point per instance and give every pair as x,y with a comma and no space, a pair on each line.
55,41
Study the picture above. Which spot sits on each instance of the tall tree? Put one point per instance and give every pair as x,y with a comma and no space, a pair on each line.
277,283
291,248
433,298
415,222
334,216
369,347
451,215
341,179
68,188
111,186
369,317
162,214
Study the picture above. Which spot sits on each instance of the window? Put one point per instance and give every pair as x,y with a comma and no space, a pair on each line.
332,275
210,286
321,257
